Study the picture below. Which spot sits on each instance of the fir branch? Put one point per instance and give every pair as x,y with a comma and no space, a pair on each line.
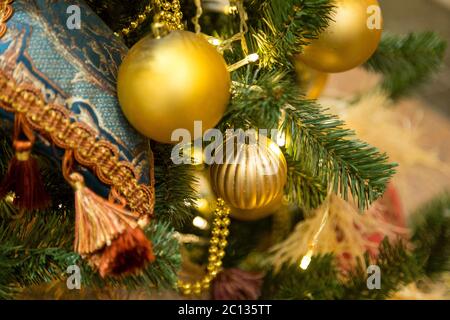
303,187
351,165
431,236
35,247
175,194
317,139
319,282
24,265
283,27
398,268
322,279
256,101
407,62
252,231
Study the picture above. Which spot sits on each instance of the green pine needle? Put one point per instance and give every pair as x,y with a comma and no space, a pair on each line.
407,61
320,145
431,235
283,27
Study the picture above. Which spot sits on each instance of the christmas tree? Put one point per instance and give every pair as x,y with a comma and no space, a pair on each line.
311,227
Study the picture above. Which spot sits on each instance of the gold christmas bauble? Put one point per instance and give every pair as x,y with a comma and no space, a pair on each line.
259,213
349,40
253,179
312,81
168,83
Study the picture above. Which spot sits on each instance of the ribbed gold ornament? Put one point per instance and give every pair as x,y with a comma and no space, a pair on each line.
168,83
256,178
349,40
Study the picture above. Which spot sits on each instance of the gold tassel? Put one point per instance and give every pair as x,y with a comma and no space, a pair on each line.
107,233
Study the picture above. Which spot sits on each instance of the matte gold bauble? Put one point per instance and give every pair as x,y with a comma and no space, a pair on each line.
168,83
349,40
256,177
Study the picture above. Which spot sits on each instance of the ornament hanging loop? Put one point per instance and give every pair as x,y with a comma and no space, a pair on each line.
75,179
67,166
159,30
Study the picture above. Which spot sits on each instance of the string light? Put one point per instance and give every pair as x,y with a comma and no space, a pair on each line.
222,6
281,135
189,238
215,41
251,58
306,260
281,138
200,223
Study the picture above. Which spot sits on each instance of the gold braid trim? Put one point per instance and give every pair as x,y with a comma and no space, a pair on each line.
6,12
99,155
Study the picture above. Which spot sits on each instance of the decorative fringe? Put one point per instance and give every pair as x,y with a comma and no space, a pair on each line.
24,179
347,233
108,234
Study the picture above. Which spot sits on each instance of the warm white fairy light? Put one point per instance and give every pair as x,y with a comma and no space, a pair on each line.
222,6
253,57
200,223
248,59
215,41
281,138
306,260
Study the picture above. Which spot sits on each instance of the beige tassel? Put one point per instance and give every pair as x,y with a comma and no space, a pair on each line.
108,234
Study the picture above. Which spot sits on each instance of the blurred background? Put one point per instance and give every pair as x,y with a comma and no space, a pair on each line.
403,16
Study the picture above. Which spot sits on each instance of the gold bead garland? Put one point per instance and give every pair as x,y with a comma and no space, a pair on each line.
135,23
169,14
217,247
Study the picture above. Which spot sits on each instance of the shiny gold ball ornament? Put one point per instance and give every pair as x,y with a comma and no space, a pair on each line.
252,179
349,40
167,83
